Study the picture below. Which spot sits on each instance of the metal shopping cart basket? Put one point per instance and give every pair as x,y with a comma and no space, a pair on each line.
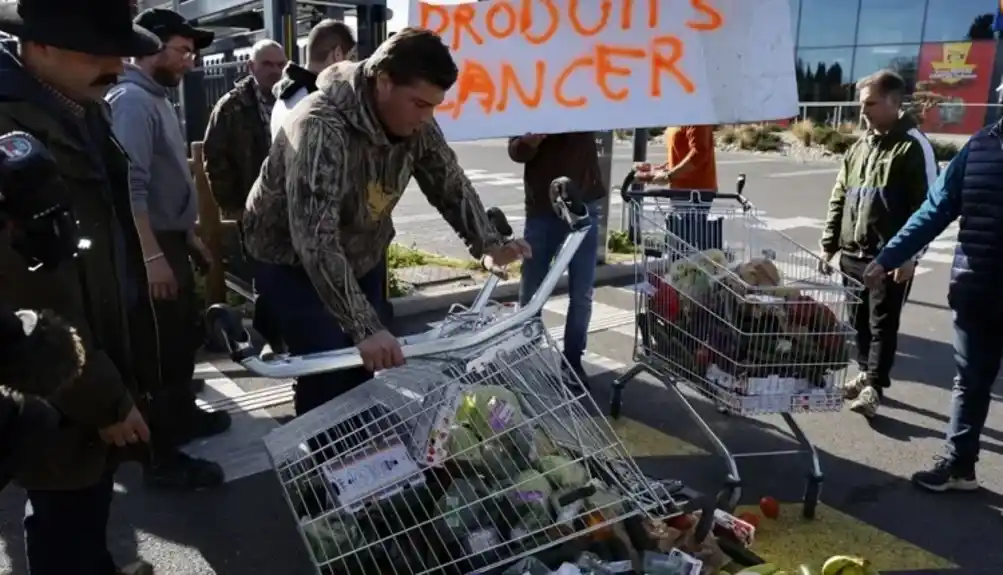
738,312
473,455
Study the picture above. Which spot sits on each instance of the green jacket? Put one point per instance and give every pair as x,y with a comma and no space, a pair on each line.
883,180
110,310
236,142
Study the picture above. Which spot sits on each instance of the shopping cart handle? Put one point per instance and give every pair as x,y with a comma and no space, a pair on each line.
628,193
226,321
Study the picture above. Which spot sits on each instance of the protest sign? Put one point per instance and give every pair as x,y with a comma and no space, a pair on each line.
551,66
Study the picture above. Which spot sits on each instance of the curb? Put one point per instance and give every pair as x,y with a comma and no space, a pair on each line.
426,303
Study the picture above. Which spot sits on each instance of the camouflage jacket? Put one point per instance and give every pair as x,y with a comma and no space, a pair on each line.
236,142
324,197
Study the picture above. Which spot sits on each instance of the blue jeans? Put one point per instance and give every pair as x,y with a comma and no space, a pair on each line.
978,346
306,326
545,234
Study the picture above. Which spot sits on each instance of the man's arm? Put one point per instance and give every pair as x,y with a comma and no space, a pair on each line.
685,164
315,188
134,123
941,207
447,188
521,152
834,218
219,167
921,173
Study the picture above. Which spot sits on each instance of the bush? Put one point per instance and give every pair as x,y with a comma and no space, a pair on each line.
839,143
803,131
944,151
727,135
619,242
760,137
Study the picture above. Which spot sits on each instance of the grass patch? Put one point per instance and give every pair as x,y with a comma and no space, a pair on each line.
401,256
760,137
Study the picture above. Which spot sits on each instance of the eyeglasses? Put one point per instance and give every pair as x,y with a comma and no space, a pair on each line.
184,52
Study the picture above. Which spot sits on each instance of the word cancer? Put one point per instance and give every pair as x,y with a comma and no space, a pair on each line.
596,60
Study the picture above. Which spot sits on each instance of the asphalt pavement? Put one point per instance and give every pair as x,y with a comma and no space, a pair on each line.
868,506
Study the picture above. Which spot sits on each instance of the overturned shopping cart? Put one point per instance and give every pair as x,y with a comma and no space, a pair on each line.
739,313
475,454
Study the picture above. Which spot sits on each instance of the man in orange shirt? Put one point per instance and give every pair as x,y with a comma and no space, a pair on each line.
690,163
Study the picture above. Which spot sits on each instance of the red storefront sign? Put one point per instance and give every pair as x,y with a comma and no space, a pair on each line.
952,75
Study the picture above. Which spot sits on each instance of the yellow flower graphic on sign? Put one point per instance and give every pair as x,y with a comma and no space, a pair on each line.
954,66
378,200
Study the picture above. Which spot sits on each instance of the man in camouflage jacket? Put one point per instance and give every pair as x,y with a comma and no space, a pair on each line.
237,137
319,216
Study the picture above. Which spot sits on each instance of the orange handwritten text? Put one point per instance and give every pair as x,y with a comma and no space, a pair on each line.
606,67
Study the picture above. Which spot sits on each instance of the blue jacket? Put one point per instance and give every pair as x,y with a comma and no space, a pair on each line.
971,188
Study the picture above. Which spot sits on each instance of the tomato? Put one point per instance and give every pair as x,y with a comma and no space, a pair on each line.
770,507
682,522
750,518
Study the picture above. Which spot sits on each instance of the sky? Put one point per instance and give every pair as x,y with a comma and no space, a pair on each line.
399,8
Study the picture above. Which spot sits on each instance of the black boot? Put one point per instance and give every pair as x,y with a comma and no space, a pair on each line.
201,423
177,471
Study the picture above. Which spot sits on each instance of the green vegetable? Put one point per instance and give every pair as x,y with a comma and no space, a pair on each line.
562,472
530,495
608,502
331,538
462,444
489,410
498,463
458,511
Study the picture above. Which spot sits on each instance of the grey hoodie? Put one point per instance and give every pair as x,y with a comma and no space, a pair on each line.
150,132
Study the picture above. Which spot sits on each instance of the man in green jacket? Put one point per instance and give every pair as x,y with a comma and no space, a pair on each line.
53,89
883,180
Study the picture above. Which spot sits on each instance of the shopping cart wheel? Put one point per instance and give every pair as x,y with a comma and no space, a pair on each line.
813,488
615,401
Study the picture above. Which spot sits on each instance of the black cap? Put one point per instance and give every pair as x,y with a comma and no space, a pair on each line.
101,28
165,23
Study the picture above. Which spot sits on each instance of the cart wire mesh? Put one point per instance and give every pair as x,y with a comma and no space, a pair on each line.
458,464
739,312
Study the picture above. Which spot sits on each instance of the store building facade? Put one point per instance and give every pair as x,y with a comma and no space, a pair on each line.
945,50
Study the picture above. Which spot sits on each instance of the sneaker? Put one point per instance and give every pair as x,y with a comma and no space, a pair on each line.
179,471
575,378
853,386
136,568
867,402
944,476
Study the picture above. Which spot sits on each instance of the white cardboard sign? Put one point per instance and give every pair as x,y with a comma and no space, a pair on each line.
550,66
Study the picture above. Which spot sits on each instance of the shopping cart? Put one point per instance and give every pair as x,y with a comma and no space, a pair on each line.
739,313
473,455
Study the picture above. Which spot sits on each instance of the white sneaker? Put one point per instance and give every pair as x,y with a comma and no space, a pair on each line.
853,386
866,403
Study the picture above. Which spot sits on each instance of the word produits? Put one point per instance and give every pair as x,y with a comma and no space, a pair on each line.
534,53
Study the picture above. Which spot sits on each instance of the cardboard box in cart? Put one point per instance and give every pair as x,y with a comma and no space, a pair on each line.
773,394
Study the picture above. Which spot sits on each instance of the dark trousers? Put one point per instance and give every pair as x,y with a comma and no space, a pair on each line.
306,326
876,319
66,531
180,336
978,347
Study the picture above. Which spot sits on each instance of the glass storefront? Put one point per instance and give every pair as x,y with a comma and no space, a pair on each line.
944,49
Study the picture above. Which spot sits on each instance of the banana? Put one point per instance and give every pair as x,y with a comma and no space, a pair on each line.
764,569
847,565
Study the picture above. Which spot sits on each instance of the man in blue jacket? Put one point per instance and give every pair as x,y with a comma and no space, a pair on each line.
970,190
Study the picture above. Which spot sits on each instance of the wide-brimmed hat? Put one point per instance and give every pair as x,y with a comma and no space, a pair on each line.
98,27
165,24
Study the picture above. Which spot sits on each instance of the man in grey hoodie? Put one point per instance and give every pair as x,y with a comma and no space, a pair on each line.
165,206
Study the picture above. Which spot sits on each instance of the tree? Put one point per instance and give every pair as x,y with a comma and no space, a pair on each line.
981,28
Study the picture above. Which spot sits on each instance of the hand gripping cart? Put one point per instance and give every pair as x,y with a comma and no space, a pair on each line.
739,313
473,455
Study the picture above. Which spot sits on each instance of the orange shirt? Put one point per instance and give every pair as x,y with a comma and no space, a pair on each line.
702,172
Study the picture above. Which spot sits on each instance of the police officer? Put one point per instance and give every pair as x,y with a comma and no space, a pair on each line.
70,53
